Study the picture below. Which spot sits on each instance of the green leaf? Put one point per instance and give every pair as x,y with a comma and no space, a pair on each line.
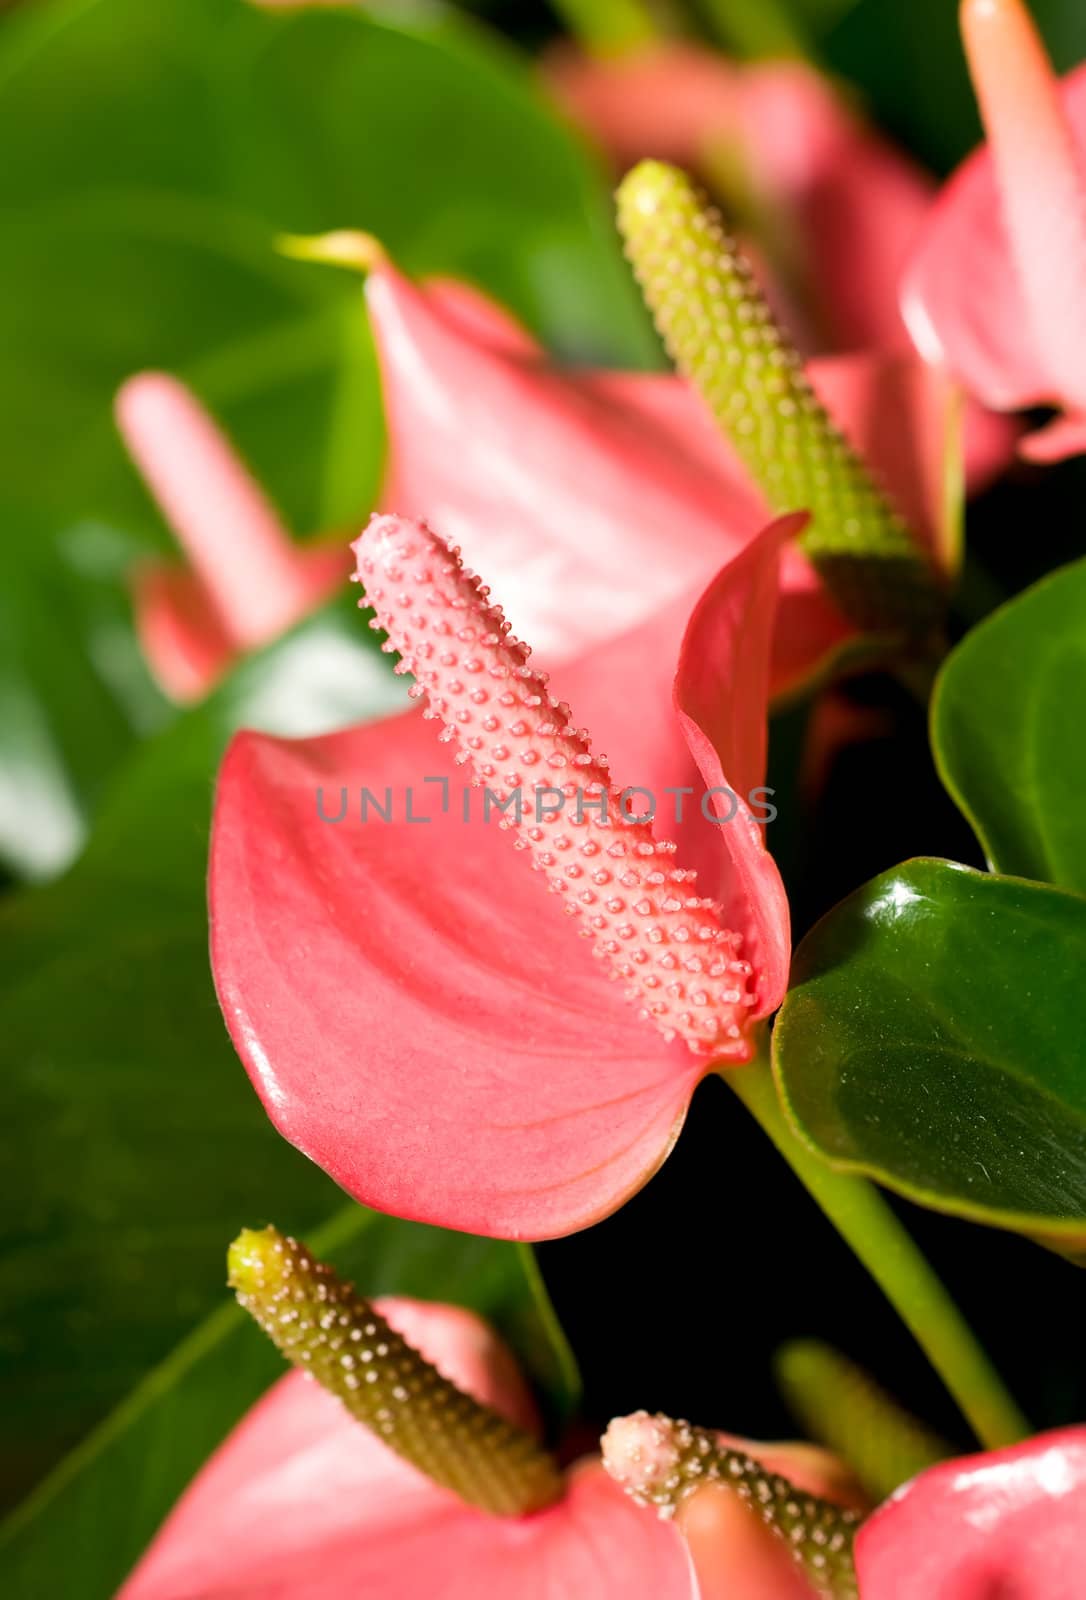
130,1135
88,1523
513,201
932,1039
1007,731
95,289
65,707
162,147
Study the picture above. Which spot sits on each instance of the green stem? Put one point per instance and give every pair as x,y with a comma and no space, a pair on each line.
757,29
867,1224
609,27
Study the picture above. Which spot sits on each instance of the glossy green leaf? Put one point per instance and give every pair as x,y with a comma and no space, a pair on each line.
87,1524
932,1039
1007,731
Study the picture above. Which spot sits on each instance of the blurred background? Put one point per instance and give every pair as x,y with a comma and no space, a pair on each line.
152,152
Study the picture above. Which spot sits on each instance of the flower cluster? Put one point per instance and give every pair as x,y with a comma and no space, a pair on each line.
495,1022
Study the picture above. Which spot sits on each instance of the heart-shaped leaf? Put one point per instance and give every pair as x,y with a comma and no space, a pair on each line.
1007,731
85,1527
932,1039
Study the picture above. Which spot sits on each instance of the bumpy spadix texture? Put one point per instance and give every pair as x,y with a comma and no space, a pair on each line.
682,967
660,1462
723,337
842,1406
325,1328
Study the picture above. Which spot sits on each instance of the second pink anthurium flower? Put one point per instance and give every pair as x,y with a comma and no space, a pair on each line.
415,1016
411,1471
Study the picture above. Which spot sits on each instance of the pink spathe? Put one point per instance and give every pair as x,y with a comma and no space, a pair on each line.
988,1527
303,1503
415,1010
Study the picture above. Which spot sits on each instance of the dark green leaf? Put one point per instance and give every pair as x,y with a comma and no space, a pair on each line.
83,1530
932,1038
160,150
131,1138
1007,731
95,290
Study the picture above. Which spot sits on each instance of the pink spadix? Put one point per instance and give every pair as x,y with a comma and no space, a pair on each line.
228,529
681,965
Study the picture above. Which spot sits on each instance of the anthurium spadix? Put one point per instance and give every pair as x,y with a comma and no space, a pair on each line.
245,580
835,207
763,1522
417,1014
995,287
411,1470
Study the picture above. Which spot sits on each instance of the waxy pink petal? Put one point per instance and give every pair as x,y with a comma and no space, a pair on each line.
303,1503
414,1010
987,1527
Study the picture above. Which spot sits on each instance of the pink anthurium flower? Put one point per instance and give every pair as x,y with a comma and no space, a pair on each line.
246,580
414,1016
995,287
846,206
302,1502
560,484
594,497
1010,1525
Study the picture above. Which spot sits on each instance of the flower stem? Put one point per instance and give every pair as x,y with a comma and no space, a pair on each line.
609,27
868,1225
